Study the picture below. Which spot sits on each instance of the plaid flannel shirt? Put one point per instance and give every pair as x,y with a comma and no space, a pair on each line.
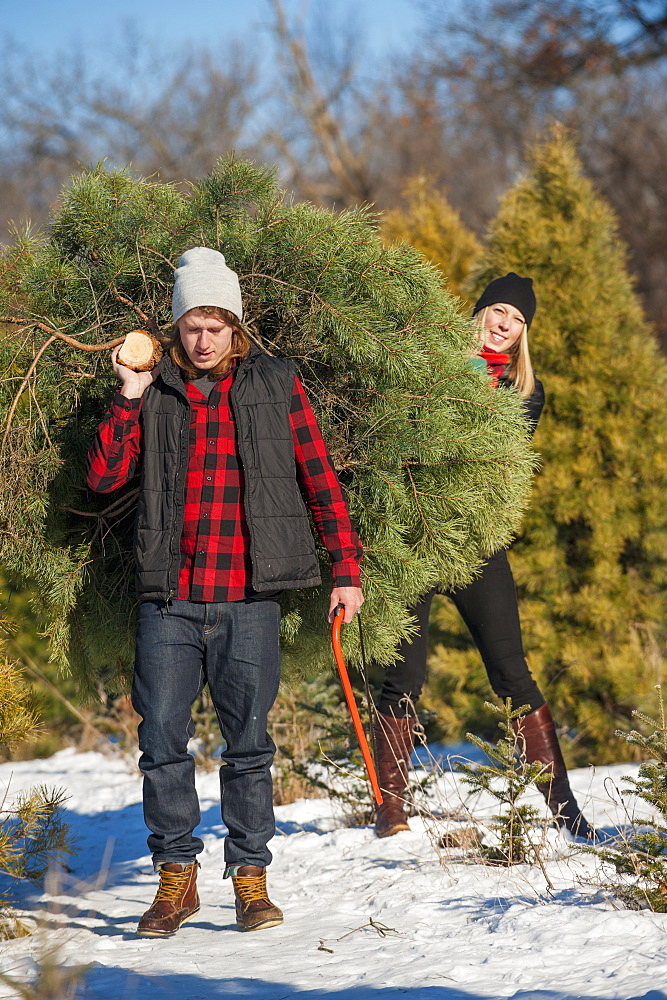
215,543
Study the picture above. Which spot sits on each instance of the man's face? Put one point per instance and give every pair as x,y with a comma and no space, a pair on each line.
206,339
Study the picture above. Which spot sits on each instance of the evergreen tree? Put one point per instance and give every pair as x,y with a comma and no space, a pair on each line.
435,463
32,831
507,777
31,650
430,224
18,718
643,859
591,559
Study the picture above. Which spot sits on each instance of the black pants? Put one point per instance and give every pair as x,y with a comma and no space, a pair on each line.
489,608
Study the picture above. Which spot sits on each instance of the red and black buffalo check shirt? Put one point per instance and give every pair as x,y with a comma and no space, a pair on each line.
215,544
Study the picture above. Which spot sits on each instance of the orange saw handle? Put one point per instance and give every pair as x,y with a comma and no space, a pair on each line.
351,703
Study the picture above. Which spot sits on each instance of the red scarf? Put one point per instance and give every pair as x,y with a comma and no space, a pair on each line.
495,363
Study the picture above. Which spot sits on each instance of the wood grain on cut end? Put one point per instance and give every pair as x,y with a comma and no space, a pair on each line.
140,351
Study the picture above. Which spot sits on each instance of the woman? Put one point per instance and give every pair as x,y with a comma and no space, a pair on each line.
488,605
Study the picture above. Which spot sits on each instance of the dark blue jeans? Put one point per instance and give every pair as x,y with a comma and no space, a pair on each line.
180,647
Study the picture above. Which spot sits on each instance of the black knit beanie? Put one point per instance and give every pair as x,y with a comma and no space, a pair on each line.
513,290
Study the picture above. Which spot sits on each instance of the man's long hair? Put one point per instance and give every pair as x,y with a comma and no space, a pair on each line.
238,348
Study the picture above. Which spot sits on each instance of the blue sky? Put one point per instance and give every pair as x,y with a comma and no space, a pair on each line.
387,27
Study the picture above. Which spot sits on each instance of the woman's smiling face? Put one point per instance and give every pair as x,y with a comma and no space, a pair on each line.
503,325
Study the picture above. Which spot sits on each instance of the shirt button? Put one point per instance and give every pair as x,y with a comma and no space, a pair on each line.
212,406
211,442
204,515
208,479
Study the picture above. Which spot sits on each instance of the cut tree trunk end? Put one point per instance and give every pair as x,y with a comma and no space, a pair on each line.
140,351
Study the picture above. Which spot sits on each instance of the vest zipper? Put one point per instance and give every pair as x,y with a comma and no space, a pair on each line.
233,392
179,470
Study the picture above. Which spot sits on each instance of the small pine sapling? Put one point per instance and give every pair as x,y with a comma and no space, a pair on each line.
328,762
32,831
643,858
507,778
335,766
298,723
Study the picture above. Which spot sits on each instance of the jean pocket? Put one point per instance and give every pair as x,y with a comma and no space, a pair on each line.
151,609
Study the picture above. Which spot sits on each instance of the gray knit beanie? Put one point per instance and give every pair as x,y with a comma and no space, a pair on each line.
203,279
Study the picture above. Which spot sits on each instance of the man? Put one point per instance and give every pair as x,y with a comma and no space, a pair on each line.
228,448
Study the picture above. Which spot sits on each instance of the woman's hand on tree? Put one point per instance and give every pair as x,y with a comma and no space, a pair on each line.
133,384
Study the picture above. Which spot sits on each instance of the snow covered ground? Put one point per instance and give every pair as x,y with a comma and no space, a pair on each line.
365,919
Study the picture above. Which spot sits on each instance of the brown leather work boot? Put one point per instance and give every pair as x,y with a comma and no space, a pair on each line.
175,902
394,740
254,909
538,740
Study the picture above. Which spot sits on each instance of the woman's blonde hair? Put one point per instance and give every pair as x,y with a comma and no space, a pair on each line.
238,348
521,370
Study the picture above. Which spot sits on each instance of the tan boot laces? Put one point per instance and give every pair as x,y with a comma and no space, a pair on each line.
250,887
172,884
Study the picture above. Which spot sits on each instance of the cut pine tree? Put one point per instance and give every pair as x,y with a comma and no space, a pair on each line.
140,351
434,462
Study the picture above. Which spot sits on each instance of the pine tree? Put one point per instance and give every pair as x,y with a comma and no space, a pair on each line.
591,559
18,718
643,859
426,450
507,777
430,224
32,831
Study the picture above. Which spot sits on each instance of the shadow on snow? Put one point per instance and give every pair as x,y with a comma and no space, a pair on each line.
105,984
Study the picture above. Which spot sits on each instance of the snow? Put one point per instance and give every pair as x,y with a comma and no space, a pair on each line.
365,919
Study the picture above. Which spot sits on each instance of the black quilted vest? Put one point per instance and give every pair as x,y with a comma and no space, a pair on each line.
282,547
